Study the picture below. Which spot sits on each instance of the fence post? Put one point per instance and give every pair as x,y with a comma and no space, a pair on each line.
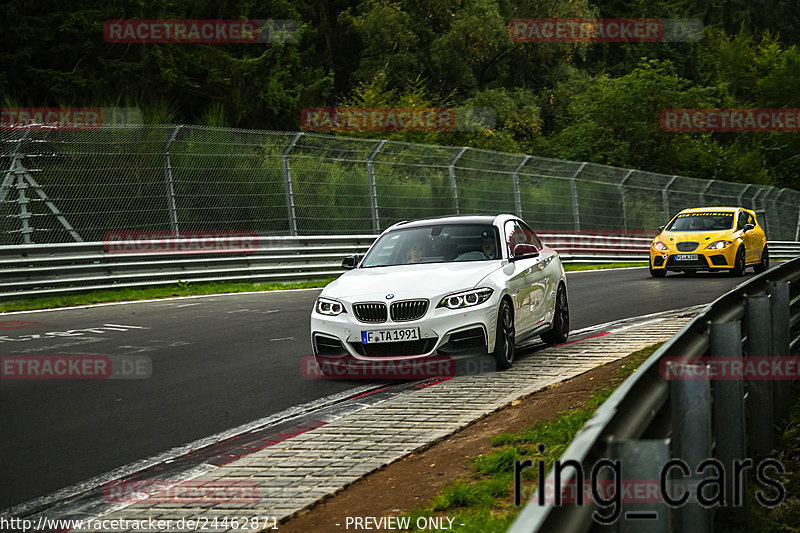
741,195
287,182
691,434
797,231
573,192
373,191
452,172
777,216
729,418
515,181
621,188
704,191
665,197
781,389
759,392
171,208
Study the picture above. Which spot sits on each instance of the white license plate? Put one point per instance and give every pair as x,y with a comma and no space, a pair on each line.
389,335
686,257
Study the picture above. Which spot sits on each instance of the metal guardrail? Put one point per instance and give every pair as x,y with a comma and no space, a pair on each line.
53,269
650,420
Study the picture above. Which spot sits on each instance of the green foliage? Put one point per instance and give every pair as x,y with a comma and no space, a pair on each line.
589,101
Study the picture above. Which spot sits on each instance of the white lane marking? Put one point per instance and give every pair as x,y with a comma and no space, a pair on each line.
187,305
283,339
622,321
306,409
238,311
171,298
636,325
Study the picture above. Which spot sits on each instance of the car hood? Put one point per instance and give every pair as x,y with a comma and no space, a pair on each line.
410,281
703,237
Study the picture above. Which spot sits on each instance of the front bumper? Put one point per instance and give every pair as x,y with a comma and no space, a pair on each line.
706,259
464,333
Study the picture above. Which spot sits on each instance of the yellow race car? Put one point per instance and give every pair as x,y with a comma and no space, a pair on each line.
710,238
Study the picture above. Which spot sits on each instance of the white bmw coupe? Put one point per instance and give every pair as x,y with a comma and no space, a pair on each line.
456,286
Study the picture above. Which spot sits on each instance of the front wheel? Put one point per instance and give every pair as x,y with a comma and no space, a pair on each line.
504,337
738,264
560,330
763,265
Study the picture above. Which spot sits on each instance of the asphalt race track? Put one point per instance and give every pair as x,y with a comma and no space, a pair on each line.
217,362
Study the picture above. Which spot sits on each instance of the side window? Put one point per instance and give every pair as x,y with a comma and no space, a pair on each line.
532,237
742,220
518,233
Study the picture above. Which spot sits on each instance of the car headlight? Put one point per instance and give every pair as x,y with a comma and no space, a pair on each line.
660,246
458,300
326,306
719,245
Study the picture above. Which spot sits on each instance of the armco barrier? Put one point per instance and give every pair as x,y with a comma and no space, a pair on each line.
650,420
52,269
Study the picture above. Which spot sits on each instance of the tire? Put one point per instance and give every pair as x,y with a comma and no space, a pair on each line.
658,273
560,330
738,264
504,336
763,265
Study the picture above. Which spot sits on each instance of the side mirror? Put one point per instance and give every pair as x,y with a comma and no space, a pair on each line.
524,250
661,228
748,227
350,262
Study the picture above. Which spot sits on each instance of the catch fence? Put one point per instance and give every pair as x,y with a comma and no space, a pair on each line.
63,185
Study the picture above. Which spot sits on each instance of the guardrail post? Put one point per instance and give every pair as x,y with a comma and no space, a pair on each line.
621,189
451,169
515,181
373,191
287,183
759,408
691,434
665,197
573,192
172,210
729,418
641,462
781,389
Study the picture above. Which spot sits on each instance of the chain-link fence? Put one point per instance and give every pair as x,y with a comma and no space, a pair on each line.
60,186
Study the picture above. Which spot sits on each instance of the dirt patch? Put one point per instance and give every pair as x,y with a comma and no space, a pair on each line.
410,482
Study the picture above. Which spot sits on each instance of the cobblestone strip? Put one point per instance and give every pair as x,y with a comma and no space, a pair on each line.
295,474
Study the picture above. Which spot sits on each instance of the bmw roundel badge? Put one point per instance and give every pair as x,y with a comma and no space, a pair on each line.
389,296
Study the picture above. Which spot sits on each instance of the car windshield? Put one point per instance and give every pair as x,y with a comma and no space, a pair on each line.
442,243
711,221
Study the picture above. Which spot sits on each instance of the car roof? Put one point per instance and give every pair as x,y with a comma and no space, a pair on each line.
454,219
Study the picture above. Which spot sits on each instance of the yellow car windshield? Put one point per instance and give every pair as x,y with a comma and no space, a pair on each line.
702,222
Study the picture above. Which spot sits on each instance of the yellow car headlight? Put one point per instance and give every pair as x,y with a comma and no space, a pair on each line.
660,246
719,245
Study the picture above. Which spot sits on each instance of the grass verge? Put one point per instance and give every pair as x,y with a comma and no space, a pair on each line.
192,289
573,267
484,502
147,293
